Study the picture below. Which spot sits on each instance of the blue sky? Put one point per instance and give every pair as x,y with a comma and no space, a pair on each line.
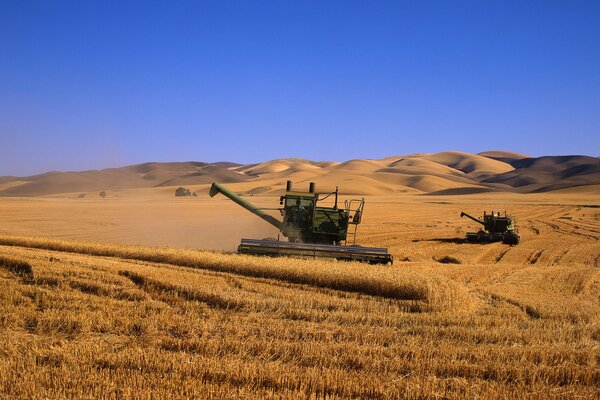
92,84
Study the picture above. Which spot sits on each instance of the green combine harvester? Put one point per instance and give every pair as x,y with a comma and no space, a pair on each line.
496,228
312,230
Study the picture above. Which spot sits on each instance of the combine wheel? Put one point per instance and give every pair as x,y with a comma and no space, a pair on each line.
510,238
471,237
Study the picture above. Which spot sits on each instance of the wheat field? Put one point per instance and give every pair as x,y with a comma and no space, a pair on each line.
104,319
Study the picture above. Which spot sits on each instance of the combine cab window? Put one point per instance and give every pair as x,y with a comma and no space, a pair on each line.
298,211
306,203
327,221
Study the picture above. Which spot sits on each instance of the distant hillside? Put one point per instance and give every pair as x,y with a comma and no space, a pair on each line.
550,173
449,172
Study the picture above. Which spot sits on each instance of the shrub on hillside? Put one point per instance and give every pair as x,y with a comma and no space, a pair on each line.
181,191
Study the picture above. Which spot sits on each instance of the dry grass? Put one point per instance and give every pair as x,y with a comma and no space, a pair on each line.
425,291
141,329
89,320
17,267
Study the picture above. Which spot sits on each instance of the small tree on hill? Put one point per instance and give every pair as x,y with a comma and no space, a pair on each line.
181,191
102,194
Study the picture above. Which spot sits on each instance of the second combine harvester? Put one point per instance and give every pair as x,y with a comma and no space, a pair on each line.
496,228
312,230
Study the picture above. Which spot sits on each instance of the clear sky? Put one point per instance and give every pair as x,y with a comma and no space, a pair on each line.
92,84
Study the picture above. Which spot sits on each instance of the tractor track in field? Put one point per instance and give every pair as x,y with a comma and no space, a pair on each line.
582,235
582,224
578,228
561,230
552,227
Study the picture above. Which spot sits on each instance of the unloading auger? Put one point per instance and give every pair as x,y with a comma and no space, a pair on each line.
311,230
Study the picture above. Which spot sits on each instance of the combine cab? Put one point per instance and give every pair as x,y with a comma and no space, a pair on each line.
496,228
312,230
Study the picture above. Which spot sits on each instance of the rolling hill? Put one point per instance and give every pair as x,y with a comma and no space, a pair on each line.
448,172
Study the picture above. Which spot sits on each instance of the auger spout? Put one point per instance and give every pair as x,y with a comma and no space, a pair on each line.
216,188
464,214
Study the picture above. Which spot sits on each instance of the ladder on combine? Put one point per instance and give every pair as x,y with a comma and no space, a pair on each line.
355,209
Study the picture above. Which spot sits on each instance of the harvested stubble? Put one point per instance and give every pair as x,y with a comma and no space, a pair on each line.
87,326
17,267
429,291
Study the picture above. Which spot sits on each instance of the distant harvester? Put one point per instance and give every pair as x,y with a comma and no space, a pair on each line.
496,228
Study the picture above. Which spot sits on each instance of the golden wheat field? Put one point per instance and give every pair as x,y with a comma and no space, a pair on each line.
114,299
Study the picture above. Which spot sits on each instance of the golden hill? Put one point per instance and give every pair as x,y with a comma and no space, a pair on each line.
448,172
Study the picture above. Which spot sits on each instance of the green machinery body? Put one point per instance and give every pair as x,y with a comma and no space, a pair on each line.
306,222
311,226
496,228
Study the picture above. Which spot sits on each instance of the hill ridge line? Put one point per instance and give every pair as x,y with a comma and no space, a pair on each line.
448,172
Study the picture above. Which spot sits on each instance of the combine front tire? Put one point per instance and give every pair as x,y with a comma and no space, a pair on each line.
511,238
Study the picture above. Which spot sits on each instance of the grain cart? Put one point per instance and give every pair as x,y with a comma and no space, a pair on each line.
496,228
312,230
